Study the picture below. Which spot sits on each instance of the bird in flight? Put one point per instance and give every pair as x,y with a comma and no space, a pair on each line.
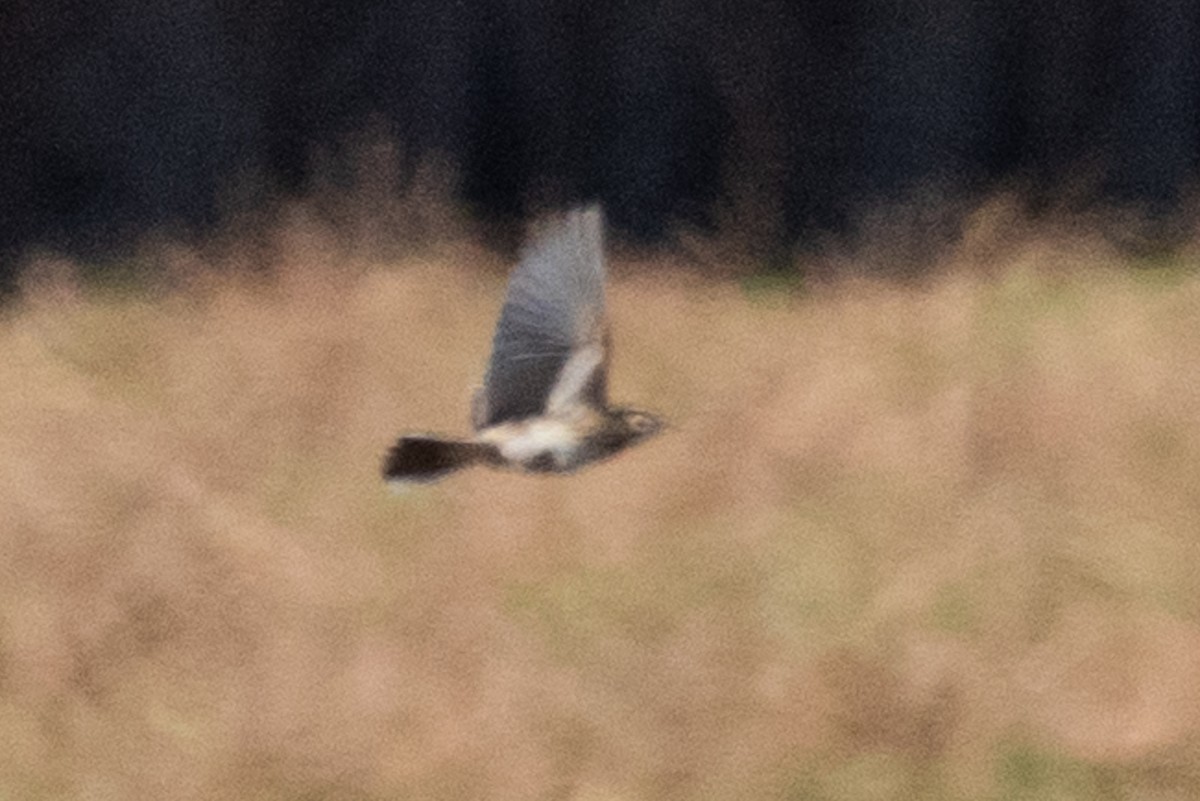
543,407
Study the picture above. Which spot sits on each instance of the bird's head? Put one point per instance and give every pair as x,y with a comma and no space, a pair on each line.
639,425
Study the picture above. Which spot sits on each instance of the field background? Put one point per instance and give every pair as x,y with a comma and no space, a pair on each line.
928,539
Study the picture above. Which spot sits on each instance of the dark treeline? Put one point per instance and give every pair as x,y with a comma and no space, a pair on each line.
120,116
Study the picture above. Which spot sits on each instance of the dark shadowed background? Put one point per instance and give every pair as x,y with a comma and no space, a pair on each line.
123,116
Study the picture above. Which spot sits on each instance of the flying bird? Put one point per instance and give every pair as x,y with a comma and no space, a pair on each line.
543,407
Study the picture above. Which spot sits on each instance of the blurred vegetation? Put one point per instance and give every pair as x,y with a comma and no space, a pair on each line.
904,540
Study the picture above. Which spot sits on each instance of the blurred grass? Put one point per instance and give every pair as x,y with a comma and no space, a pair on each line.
934,540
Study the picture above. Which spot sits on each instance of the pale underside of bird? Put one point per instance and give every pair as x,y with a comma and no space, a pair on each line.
543,406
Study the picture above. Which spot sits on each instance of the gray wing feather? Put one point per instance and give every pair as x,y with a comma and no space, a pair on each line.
554,310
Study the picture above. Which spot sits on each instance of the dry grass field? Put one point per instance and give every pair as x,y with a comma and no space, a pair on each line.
931,540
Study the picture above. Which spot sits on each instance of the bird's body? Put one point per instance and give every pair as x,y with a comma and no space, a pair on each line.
543,407
540,440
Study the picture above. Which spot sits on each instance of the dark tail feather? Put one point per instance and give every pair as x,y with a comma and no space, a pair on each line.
424,459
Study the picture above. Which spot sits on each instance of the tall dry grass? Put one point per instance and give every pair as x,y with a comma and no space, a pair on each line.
901,542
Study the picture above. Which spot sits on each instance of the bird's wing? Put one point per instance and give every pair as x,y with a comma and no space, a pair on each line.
550,348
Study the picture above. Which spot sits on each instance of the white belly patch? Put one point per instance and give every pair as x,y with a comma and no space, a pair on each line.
522,442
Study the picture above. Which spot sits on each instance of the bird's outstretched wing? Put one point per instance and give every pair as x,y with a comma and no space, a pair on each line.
550,346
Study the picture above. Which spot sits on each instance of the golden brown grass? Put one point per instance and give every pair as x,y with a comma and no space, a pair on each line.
902,542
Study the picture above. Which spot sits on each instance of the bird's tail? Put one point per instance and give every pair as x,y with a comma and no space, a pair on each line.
423,459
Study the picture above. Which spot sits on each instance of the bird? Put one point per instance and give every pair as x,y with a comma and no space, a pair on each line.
543,407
